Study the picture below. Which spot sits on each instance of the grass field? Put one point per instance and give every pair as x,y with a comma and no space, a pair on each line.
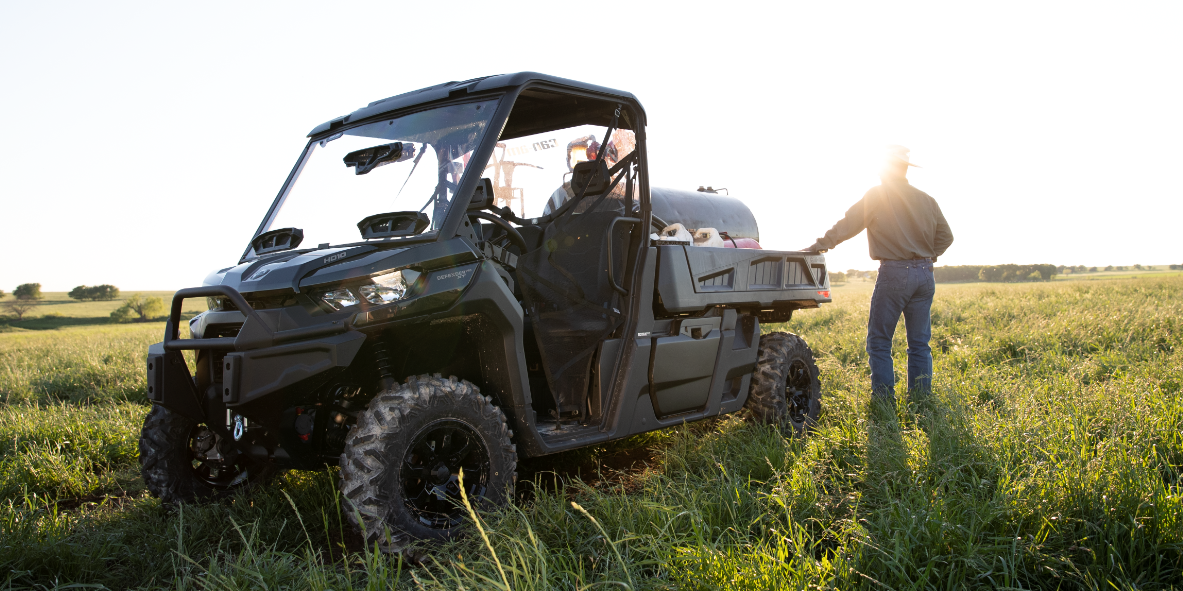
1050,456
56,310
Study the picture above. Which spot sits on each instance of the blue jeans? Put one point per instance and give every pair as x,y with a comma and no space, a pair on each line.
907,287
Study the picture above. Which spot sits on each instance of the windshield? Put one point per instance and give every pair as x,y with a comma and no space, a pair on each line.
412,163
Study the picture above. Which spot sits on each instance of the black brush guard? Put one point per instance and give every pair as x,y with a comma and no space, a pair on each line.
259,360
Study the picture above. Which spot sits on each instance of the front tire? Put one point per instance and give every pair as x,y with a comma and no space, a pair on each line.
183,461
785,390
400,468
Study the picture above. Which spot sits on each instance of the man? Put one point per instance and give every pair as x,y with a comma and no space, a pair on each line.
906,232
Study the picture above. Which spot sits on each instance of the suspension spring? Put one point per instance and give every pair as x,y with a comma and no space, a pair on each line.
381,359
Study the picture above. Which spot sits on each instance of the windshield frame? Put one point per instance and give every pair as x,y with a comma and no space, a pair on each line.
464,190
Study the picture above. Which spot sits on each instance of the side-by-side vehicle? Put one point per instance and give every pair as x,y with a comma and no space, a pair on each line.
461,276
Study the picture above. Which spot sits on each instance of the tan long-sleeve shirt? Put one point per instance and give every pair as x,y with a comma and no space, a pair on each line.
902,223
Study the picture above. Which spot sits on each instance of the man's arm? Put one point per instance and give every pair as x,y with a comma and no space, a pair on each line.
846,228
943,236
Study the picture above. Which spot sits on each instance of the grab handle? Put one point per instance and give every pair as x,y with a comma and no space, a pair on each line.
611,275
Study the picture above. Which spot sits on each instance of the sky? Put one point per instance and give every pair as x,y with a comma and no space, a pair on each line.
145,141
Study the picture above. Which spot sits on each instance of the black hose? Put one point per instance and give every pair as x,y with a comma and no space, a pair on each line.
512,232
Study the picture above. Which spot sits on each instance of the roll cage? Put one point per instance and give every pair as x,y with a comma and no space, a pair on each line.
523,94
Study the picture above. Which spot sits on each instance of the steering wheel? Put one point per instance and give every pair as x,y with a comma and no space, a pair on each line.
510,231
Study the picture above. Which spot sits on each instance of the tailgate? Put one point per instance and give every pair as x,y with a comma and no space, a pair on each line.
693,278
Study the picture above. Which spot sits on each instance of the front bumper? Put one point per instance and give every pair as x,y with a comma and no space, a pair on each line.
258,361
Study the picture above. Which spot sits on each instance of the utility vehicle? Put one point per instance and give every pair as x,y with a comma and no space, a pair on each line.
458,277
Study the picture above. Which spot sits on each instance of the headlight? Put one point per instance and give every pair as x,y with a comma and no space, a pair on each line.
385,289
339,298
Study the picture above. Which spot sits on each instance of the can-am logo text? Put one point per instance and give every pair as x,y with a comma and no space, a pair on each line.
456,274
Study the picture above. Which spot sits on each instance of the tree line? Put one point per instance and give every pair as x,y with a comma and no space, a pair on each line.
26,296
998,273
98,292
995,273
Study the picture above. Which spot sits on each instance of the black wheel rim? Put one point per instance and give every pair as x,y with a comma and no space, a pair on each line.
217,465
798,388
431,470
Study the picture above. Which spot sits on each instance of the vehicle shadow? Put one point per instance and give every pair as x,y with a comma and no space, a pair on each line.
553,473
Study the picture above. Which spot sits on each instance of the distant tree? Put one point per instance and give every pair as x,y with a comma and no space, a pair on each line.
1035,276
98,292
1109,268
1138,267
28,291
140,308
105,292
1173,268
1092,269
20,306
838,277
1061,269
2,294
1120,268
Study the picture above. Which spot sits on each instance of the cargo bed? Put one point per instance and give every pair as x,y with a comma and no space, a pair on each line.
694,278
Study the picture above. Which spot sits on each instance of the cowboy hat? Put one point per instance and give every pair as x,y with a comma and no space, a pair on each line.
900,153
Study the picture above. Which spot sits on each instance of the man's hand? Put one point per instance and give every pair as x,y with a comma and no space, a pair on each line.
815,247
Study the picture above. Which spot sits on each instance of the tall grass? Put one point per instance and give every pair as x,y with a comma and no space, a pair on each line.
65,451
1050,455
79,364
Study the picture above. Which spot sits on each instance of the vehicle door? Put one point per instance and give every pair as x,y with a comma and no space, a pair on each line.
574,282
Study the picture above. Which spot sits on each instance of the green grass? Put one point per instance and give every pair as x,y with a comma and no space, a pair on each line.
83,363
1050,455
64,451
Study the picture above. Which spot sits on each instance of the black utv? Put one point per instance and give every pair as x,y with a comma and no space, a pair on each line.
520,300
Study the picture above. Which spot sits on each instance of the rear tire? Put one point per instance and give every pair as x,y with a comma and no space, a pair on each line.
785,390
399,471
173,470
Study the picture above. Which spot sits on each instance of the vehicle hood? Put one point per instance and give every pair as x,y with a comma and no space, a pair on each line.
296,271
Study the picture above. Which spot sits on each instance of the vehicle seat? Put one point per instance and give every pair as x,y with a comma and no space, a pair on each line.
532,235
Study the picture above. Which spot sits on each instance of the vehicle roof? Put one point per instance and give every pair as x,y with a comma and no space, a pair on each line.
475,85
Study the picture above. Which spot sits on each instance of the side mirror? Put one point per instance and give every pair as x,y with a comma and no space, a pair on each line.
482,197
